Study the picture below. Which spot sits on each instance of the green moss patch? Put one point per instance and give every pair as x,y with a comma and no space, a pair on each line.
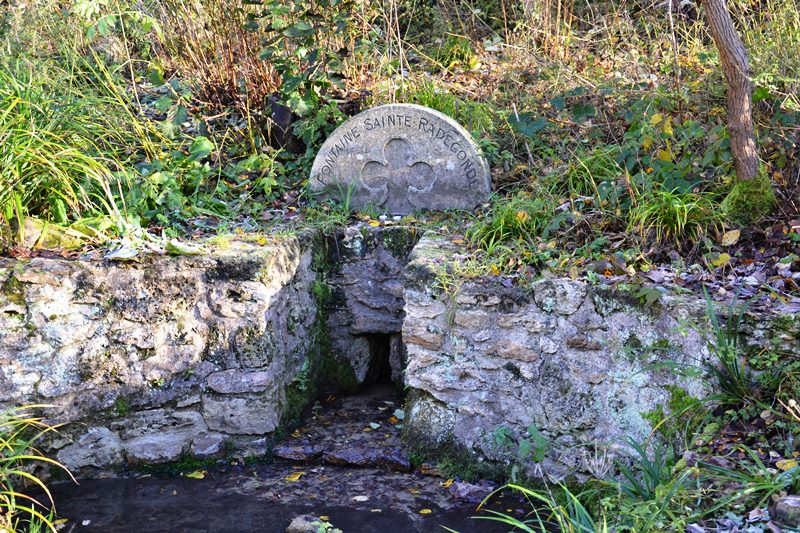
750,200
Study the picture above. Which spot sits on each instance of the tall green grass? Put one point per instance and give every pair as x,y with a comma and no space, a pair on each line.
50,166
674,216
20,429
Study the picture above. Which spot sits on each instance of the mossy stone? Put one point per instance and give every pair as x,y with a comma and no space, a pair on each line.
750,200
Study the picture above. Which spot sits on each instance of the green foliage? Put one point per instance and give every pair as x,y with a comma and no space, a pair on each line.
50,165
300,45
474,116
678,217
750,200
596,174
738,385
646,474
20,429
530,447
658,149
121,406
686,414
456,51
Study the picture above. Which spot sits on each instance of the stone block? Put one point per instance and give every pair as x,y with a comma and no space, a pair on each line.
98,447
256,415
239,381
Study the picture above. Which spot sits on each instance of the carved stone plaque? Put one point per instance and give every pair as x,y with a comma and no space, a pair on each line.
400,158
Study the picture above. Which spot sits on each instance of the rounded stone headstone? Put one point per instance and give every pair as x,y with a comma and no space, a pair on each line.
400,158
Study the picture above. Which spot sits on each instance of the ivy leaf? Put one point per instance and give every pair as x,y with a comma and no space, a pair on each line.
524,449
503,436
539,443
278,23
760,94
180,115
558,103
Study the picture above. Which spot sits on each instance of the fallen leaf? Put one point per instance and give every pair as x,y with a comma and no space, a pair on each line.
786,464
176,247
374,223
447,483
325,518
393,420
425,511
360,498
413,490
729,238
758,515
197,474
574,272
294,477
374,425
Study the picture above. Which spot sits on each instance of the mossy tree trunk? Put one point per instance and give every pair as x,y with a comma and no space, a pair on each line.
740,89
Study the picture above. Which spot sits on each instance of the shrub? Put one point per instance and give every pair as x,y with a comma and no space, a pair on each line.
208,42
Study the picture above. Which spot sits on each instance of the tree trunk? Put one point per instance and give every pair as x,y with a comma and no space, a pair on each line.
740,90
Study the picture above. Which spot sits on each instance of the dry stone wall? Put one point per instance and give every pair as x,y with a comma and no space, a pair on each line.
584,364
146,362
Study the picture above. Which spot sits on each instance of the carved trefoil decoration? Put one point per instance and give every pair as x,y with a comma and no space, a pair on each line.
399,175
401,158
